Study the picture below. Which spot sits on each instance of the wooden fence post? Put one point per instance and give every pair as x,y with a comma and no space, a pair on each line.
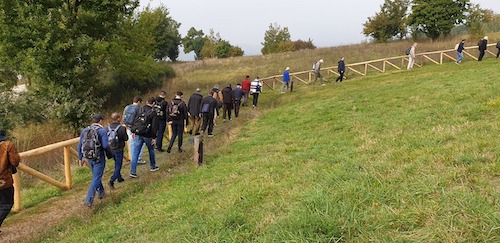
67,166
17,192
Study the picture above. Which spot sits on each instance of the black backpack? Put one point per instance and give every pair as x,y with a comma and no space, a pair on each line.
174,110
142,122
498,45
408,51
91,145
113,140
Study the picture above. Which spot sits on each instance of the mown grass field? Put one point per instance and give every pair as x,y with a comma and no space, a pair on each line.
402,156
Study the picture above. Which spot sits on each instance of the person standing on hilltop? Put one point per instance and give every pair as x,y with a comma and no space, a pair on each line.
9,160
317,71
245,86
286,80
483,45
411,56
460,48
341,69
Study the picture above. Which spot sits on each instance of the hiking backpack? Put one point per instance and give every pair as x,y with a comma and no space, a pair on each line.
142,122
498,45
314,66
129,114
408,51
174,110
91,145
113,140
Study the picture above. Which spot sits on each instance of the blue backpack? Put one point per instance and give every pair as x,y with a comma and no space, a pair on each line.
129,114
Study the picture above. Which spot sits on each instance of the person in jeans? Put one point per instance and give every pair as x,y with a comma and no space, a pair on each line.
122,137
149,138
209,111
317,72
227,102
9,160
96,166
460,55
177,118
245,86
238,95
194,106
129,114
286,80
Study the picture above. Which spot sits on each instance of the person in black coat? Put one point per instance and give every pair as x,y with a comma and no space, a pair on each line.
116,147
194,114
209,111
177,119
161,105
227,102
482,48
341,69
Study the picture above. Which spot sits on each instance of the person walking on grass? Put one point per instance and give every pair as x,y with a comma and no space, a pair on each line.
460,48
162,119
498,47
286,80
411,56
245,86
341,69
194,107
483,46
117,136
9,160
177,118
255,89
227,102
317,71
144,128
92,146
209,112
238,95
129,113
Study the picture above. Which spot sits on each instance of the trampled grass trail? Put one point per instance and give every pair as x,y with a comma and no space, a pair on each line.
407,156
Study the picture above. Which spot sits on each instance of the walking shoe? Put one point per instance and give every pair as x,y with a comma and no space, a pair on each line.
169,149
154,169
210,135
141,162
160,150
133,175
87,205
121,179
180,150
112,184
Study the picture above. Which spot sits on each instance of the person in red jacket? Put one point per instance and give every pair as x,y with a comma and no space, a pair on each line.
9,160
245,86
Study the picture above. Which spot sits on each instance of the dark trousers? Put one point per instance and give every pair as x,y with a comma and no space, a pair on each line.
177,131
255,99
118,157
161,131
208,121
6,202
498,53
341,77
226,109
481,55
237,104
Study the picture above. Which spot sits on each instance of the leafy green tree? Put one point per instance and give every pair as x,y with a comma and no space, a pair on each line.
389,22
477,20
300,44
194,41
276,40
436,18
215,47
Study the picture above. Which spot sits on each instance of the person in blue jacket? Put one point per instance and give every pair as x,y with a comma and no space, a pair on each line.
341,69
286,80
97,164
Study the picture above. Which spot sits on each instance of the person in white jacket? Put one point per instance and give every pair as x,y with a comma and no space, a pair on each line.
255,90
411,56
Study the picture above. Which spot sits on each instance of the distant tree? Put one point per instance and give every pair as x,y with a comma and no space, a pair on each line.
389,22
215,47
436,18
194,41
277,39
477,20
494,24
300,44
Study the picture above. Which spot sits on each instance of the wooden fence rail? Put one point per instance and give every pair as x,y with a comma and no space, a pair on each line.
380,65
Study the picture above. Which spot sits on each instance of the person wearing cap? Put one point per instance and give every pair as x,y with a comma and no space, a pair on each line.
286,80
227,102
238,95
317,71
96,166
341,69
9,160
161,105
194,112
483,45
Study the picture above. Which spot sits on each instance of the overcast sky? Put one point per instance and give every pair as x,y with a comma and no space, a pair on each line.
244,23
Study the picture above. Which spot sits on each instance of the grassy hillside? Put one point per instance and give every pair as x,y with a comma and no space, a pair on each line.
407,156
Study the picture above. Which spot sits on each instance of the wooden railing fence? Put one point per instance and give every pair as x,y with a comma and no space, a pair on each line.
380,65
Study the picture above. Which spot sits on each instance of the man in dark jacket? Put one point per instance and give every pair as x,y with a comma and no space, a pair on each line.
9,160
177,116
208,111
483,45
341,69
148,138
161,105
238,95
227,102
194,114
116,146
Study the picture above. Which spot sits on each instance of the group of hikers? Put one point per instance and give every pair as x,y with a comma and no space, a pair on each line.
144,127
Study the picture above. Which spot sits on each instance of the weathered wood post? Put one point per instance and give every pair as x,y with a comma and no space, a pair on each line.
67,166
17,192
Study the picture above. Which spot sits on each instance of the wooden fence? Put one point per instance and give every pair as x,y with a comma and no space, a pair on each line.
379,66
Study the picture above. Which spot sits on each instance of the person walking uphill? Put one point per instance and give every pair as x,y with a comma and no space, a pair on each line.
341,69
92,146
227,102
256,89
162,119
286,80
194,114
177,117
209,111
238,95
245,86
460,48
411,56
117,136
9,160
317,71
483,45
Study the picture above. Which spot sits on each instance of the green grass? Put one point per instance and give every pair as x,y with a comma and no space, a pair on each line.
407,156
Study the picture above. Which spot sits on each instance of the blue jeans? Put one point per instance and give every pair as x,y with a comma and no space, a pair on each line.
161,130
460,56
136,149
131,142
97,168
285,85
118,157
